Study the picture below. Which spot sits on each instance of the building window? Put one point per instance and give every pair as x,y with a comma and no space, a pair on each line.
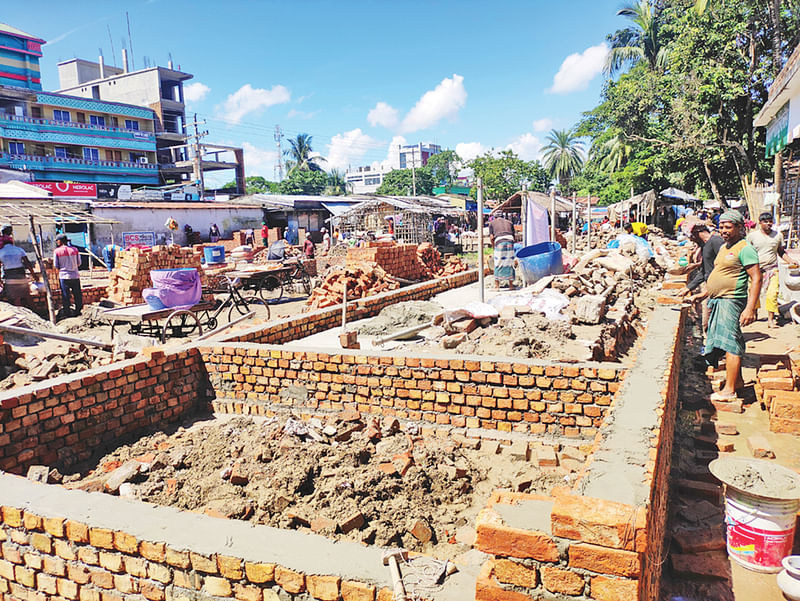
136,157
36,112
97,120
61,116
81,117
131,124
91,154
118,156
114,122
61,152
16,148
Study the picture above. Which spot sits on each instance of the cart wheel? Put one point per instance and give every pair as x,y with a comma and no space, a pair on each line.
249,303
179,324
271,289
212,324
306,283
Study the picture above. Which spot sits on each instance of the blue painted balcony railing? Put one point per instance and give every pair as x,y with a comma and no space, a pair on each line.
140,134
38,163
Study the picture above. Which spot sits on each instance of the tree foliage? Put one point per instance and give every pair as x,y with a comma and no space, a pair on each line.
563,156
301,155
400,182
255,184
504,173
299,181
641,42
444,167
688,121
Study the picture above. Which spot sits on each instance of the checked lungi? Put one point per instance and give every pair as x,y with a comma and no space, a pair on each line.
504,261
724,330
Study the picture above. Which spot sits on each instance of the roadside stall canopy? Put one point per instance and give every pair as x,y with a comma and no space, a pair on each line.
513,204
676,194
644,202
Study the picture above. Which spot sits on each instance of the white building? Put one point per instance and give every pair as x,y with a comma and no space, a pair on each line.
367,180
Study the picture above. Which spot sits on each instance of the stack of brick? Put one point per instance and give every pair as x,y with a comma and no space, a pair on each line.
395,259
7,354
777,388
131,272
361,280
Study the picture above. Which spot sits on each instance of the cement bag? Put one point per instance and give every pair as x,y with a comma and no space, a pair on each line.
474,310
615,262
174,288
551,303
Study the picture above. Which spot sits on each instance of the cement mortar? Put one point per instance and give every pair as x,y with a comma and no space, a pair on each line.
527,515
757,477
618,471
307,553
400,316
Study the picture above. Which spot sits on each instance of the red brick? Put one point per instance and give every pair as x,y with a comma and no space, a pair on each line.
494,537
324,588
487,588
604,588
557,580
604,560
511,572
357,591
598,521
290,580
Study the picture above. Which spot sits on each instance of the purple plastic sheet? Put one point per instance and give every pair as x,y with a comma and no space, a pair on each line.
174,288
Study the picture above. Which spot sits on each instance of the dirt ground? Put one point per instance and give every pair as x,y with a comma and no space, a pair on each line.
350,477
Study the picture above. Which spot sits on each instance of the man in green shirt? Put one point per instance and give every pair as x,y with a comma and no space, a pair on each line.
732,305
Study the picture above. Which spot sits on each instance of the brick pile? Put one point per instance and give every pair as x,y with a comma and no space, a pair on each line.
131,273
396,259
365,279
777,388
431,263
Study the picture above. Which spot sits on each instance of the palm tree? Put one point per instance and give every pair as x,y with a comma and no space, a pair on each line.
337,185
613,153
563,155
299,152
638,43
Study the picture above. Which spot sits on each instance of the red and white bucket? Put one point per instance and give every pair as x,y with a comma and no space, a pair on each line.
760,530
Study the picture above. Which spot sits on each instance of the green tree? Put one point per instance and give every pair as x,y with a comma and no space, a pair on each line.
400,182
639,43
337,185
299,181
505,173
563,156
300,155
444,167
255,184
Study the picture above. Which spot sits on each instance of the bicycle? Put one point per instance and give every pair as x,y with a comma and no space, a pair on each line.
271,287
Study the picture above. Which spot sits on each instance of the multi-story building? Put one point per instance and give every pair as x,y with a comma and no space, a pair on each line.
367,179
417,155
161,90
59,137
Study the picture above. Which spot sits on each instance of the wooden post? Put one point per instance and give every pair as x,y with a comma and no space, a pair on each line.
523,214
574,222
480,239
552,214
37,249
588,222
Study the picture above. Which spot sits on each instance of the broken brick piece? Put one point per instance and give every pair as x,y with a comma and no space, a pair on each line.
353,522
727,429
421,531
708,565
760,447
698,541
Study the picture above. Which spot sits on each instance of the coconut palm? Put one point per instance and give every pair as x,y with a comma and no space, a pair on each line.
613,153
299,152
637,43
337,185
563,156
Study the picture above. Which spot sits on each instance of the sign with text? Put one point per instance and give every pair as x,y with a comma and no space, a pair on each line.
138,238
68,189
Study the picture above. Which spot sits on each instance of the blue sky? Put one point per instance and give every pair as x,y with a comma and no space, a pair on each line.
359,76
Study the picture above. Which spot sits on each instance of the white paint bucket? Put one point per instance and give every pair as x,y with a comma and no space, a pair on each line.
760,530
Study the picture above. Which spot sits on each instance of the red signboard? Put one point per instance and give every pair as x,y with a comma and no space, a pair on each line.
67,189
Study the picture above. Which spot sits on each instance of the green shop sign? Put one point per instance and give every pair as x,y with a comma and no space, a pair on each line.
778,132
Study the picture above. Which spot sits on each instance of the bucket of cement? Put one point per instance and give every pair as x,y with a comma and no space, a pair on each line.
761,502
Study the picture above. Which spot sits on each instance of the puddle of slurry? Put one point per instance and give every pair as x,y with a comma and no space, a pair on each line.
757,477
618,471
527,515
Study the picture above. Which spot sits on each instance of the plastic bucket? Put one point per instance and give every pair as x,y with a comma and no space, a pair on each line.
214,254
540,260
760,530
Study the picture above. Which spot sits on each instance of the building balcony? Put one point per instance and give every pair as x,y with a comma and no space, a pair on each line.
139,134
28,162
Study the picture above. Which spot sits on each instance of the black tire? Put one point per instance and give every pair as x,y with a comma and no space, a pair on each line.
271,289
251,303
306,283
179,325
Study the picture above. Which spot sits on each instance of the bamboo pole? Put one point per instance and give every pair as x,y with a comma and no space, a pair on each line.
480,239
37,250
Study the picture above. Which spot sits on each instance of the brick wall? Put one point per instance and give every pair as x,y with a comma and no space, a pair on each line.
61,544
587,546
293,328
71,418
91,295
395,259
473,392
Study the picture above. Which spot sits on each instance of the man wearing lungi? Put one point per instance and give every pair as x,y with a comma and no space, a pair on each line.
769,245
731,304
501,231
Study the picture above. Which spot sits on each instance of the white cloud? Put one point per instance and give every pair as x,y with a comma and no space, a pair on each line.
195,92
527,147
579,69
469,150
543,124
392,160
347,148
259,161
384,115
294,113
248,99
443,102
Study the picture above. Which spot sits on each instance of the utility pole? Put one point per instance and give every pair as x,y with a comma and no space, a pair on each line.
278,136
413,171
197,159
480,240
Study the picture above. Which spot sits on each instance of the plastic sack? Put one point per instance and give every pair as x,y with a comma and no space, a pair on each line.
643,249
475,310
551,303
175,287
